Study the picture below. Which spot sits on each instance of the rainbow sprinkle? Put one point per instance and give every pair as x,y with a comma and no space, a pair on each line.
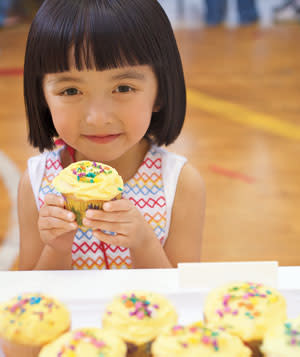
89,172
22,304
246,297
142,308
69,350
197,334
293,335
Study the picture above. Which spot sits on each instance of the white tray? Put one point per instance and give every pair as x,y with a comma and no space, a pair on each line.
189,305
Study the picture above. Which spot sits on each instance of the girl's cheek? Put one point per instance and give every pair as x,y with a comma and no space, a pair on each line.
65,125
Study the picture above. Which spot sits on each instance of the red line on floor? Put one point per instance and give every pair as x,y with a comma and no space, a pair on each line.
232,174
11,72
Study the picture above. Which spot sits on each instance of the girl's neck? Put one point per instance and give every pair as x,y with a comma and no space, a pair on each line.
127,165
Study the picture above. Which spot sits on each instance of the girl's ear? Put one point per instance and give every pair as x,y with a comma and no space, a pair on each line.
157,106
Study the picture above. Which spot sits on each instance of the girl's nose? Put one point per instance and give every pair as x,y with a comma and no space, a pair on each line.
99,113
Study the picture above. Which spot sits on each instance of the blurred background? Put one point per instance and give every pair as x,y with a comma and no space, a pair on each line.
242,65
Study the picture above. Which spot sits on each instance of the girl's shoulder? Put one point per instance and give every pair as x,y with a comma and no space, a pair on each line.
49,163
181,179
188,173
40,160
176,168
168,157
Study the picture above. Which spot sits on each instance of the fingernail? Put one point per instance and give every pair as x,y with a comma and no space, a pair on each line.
70,216
106,206
74,226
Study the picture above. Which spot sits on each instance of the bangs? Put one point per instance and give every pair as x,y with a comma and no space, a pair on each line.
103,34
97,34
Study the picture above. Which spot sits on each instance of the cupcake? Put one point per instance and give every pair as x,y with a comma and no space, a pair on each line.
138,318
197,340
245,309
86,342
283,340
87,184
30,321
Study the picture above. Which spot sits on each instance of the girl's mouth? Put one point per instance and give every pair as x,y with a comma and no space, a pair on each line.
102,139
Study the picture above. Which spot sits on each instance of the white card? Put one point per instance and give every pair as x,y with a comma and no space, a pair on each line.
211,275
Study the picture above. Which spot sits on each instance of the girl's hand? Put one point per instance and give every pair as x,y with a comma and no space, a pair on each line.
57,225
123,218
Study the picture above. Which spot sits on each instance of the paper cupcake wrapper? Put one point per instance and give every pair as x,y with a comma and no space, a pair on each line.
79,207
254,347
139,351
12,349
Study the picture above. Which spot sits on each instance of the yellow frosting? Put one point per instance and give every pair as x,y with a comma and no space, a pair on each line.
89,180
197,340
33,319
138,316
283,340
245,309
86,342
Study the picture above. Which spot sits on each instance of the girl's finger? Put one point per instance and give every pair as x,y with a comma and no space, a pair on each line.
101,215
54,200
121,228
57,212
54,223
117,205
117,240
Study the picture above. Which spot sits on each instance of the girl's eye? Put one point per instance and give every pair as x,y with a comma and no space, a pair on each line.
70,92
124,89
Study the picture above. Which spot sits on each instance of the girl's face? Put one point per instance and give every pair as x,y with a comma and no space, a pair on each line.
102,114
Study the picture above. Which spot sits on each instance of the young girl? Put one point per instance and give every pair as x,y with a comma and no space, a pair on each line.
105,76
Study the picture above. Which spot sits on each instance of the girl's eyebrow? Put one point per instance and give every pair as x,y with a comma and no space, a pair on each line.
129,75
64,79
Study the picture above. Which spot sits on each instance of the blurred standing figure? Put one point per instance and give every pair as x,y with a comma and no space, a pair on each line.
12,12
288,11
216,11
5,7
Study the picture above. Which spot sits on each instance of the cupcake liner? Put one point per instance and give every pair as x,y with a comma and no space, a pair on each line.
79,207
254,347
12,349
139,351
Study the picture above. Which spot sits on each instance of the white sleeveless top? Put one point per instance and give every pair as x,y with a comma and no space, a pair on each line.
152,190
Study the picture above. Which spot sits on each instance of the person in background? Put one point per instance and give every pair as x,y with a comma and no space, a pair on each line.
289,10
5,19
216,11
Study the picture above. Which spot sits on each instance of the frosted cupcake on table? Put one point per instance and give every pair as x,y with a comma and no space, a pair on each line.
283,340
138,317
198,340
246,310
30,321
87,184
86,342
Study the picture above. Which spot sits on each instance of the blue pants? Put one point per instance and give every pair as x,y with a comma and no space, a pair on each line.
216,11
5,5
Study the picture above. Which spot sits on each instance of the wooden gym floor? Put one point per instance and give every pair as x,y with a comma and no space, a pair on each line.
242,132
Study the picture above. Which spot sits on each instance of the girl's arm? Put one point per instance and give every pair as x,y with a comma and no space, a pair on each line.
34,253
187,221
31,245
185,234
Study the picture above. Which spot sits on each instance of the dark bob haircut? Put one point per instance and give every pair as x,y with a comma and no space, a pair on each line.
104,34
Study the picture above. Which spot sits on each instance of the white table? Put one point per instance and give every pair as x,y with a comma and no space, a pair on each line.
94,283
87,292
